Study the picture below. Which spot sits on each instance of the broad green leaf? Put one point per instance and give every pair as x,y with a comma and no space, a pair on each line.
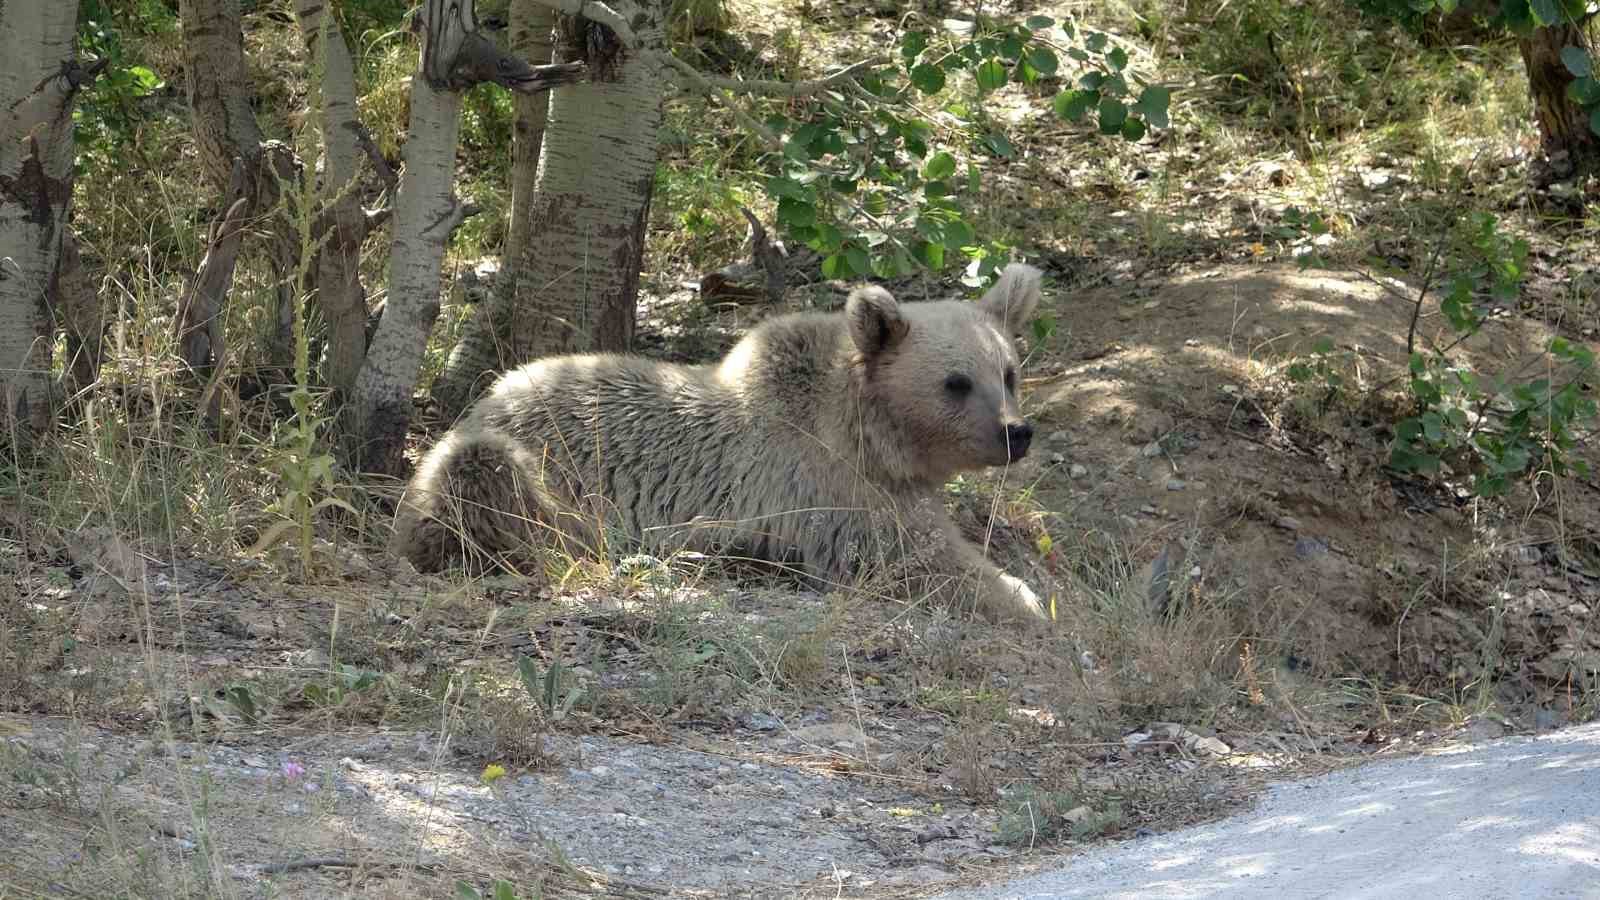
1096,42
1043,60
939,167
1092,80
912,44
1039,23
958,234
833,266
932,254
1153,104
1545,12
793,213
859,262
928,78
1071,105
1577,61
1594,120
999,145
991,75
1133,129
787,187
1112,114
1118,59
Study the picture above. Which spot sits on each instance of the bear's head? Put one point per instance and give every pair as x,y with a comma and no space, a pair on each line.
944,374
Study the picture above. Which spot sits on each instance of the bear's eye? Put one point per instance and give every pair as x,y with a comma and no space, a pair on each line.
1011,381
958,385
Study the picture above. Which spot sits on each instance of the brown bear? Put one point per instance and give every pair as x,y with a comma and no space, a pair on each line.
820,441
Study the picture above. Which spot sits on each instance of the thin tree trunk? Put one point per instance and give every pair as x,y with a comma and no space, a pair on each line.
1563,125
480,352
454,56
39,78
592,200
81,317
338,283
225,129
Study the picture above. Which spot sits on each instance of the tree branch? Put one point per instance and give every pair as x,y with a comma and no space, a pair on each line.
595,11
481,59
787,89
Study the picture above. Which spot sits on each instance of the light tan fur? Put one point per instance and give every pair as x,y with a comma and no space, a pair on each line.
820,440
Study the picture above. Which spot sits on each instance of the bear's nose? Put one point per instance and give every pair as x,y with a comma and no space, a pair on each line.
1018,436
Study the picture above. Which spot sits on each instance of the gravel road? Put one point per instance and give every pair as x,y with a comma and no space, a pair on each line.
1512,818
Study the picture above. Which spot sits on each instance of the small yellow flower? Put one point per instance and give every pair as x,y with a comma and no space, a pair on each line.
493,772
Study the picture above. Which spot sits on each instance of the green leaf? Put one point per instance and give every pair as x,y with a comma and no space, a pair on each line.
1133,130
1323,345
958,234
781,187
1594,120
504,891
1096,42
147,80
794,212
1112,114
939,167
833,266
913,43
1577,61
999,145
1404,459
1153,104
1091,81
1118,59
1071,105
859,262
991,75
1039,23
974,179
928,78
1043,60
931,254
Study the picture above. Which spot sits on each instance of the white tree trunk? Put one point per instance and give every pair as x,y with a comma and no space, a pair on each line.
427,212
39,77
339,292
596,176
480,352
454,56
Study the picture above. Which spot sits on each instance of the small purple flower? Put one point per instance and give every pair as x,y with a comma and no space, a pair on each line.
292,770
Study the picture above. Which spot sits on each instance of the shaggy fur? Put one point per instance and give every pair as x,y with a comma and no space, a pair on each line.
820,440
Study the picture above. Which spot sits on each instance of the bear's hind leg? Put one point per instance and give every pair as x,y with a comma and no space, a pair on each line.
477,501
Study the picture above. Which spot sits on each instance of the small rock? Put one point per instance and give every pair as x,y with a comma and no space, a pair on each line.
1060,437
1211,746
1078,471
1057,459
1151,450
1527,555
1309,548
1176,484
757,721
1077,815
1288,523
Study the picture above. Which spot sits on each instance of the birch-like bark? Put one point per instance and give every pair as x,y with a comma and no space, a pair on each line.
592,200
454,56
339,292
480,352
39,78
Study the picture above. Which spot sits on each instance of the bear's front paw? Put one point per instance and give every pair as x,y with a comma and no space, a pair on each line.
1021,598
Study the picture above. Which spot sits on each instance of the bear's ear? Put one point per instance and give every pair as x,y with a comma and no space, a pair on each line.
876,323
1014,297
